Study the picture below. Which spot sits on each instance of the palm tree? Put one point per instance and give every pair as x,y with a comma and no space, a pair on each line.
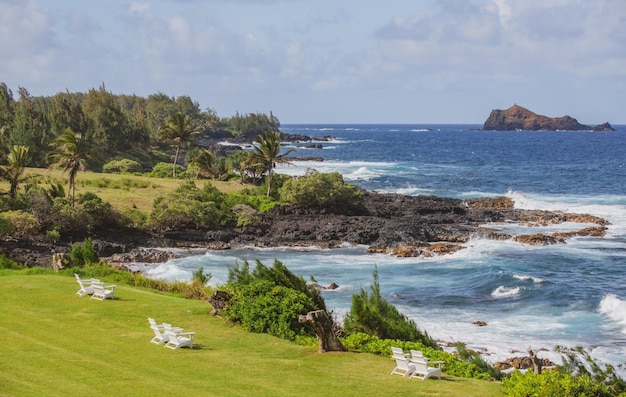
267,154
68,153
204,162
17,159
179,128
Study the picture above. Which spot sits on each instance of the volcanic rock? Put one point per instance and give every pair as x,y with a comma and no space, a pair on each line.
518,118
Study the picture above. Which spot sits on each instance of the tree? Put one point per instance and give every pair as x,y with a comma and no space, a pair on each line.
373,315
203,160
17,160
69,154
267,154
179,128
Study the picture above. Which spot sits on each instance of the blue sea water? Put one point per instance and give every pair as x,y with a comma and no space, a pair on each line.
530,296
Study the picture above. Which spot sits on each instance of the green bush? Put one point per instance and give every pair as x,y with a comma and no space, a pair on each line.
271,300
266,307
191,207
321,190
6,263
18,224
373,315
83,254
164,170
553,383
123,165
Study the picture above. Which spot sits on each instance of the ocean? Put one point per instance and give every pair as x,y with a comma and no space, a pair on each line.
570,294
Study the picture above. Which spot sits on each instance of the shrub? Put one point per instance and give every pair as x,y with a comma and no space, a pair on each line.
164,170
6,263
18,224
189,206
123,165
552,383
83,254
263,306
373,315
133,217
271,300
321,190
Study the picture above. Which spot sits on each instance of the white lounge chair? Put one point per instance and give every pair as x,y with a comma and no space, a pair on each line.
396,351
168,327
102,292
403,366
86,287
423,371
179,339
154,324
159,335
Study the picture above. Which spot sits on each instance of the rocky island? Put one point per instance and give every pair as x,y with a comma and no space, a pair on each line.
518,118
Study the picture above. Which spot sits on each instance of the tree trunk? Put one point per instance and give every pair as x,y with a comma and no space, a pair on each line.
323,326
535,360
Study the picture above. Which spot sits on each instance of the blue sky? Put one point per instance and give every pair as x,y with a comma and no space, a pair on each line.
330,61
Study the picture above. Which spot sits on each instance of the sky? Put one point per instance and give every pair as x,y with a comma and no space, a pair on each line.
329,61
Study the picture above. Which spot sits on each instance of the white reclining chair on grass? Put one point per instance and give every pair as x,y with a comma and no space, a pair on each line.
102,292
179,339
397,351
423,371
86,286
159,335
403,366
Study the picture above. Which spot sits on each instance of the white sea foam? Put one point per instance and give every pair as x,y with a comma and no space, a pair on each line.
615,309
505,292
536,280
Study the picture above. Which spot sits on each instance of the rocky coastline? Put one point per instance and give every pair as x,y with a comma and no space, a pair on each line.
407,226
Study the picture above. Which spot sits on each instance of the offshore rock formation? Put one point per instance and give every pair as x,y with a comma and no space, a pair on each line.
518,118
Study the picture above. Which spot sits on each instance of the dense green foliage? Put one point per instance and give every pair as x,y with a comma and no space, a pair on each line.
83,254
122,166
116,126
321,190
373,315
553,383
270,300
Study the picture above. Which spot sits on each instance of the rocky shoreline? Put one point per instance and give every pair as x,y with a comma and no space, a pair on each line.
407,226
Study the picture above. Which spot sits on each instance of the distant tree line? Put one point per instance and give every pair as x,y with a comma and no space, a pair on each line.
121,127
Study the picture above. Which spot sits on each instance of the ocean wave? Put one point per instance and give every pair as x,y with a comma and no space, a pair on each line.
505,292
615,309
536,280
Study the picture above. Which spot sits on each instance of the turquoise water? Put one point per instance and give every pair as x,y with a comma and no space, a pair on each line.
569,294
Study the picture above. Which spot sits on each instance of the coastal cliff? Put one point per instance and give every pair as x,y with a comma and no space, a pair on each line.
518,118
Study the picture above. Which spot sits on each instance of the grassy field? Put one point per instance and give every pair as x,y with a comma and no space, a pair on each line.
121,191
54,343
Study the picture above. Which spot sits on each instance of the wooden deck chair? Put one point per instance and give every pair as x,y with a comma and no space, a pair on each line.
423,371
177,340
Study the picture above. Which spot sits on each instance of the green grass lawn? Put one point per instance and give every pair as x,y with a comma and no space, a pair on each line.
54,343
122,191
